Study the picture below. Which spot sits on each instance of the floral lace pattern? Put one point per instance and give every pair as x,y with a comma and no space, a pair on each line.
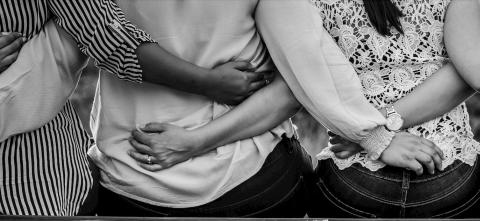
391,67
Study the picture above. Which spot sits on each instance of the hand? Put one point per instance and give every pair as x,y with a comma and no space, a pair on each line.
164,144
410,151
232,82
343,148
10,45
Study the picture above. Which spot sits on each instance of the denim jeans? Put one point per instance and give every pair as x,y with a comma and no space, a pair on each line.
279,189
396,192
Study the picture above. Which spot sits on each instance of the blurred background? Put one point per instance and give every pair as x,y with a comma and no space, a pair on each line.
312,135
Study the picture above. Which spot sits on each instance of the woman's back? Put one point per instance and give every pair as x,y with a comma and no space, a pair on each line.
390,67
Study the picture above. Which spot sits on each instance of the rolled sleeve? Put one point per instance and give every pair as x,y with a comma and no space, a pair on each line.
103,33
317,72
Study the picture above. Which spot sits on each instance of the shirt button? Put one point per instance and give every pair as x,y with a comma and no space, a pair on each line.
116,25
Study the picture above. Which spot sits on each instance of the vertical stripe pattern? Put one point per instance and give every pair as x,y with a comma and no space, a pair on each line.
98,26
45,172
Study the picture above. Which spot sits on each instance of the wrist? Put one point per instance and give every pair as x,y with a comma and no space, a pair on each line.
205,139
383,112
208,82
394,119
199,141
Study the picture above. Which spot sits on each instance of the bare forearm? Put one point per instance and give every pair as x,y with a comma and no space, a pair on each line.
264,110
447,88
175,72
439,94
462,39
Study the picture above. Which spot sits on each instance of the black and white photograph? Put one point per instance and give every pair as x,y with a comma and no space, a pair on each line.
175,110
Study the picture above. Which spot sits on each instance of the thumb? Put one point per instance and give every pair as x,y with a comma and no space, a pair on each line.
156,127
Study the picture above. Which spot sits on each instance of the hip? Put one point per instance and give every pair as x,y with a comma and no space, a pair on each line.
396,192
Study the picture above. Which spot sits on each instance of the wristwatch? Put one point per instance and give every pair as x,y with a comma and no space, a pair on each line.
394,119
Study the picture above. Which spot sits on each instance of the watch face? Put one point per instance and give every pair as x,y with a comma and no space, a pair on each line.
394,122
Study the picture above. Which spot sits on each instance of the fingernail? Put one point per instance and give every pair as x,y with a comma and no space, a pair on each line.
139,127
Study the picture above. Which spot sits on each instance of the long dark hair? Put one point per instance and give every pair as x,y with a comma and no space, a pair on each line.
383,15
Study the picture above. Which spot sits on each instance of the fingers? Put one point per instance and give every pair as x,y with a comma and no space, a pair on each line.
241,65
255,77
156,127
152,167
156,164
426,160
142,138
415,166
6,40
12,47
259,80
434,151
9,48
142,161
267,76
141,148
434,155
434,147
255,86
139,157
6,62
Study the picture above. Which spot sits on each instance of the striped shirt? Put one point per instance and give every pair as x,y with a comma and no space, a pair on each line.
99,27
45,172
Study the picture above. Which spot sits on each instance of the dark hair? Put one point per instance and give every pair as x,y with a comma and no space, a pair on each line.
383,15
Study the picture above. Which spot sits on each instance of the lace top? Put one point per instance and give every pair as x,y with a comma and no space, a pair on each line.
391,67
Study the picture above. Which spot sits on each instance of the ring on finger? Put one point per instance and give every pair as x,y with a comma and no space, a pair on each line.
149,159
267,81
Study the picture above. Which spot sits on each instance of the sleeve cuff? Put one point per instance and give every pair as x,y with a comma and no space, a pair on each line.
376,142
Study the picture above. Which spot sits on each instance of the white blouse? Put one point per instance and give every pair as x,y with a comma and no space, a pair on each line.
391,67
208,33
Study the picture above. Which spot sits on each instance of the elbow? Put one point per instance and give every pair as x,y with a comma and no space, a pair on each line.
473,80
468,70
475,83
293,105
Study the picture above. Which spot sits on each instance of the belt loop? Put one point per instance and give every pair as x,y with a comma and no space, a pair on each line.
291,142
405,188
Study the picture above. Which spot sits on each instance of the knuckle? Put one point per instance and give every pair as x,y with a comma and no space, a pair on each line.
17,43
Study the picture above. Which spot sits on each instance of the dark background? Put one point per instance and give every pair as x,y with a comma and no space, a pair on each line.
312,134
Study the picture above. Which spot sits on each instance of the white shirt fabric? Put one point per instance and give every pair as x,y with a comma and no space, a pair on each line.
208,33
38,84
